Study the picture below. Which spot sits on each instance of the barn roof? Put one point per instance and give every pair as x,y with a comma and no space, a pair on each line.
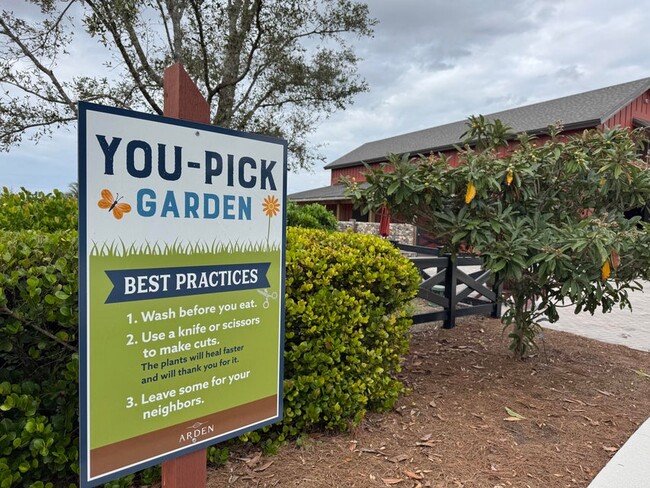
583,110
324,194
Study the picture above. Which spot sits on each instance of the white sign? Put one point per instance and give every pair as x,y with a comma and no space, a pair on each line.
181,287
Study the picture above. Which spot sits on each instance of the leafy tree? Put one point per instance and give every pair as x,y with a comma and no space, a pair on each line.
270,66
548,218
483,133
312,216
73,190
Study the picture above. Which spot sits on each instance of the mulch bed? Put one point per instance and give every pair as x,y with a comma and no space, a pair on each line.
458,426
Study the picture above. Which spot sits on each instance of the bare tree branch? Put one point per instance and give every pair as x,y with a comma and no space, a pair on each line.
204,50
47,72
6,311
142,57
164,18
109,23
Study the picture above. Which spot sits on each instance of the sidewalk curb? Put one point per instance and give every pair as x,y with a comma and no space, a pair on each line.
629,467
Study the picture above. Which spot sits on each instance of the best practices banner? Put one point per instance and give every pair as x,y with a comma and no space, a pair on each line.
182,242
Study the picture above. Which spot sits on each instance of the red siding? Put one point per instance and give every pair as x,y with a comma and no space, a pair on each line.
355,172
358,172
638,108
345,212
453,158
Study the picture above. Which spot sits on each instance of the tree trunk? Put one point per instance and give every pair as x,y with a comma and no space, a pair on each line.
240,18
176,9
520,326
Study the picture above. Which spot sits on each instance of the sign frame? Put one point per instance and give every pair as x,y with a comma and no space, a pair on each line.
85,292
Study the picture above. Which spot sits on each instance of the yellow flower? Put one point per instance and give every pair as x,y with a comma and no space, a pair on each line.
271,206
509,177
605,271
470,193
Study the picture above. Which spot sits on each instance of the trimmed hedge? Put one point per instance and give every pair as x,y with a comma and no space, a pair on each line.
38,359
312,216
47,212
346,332
346,325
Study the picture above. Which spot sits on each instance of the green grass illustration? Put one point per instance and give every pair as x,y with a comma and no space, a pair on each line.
119,248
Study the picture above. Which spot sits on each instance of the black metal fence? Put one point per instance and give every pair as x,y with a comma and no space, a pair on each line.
458,293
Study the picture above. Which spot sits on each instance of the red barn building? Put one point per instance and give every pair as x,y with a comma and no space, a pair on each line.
625,105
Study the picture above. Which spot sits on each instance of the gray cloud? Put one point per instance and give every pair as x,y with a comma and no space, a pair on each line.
435,61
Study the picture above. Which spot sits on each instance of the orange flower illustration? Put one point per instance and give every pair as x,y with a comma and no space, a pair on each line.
271,206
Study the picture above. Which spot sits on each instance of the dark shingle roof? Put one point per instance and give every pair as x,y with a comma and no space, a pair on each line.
334,192
323,194
583,110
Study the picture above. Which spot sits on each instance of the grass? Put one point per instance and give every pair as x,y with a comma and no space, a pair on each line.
119,248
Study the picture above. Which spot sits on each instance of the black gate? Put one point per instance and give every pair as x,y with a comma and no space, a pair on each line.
456,292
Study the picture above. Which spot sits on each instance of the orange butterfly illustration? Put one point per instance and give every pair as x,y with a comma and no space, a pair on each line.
113,204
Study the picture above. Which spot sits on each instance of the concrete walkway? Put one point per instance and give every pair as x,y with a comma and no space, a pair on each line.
629,328
630,466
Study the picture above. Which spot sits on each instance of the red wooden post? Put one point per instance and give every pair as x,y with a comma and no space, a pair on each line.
183,100
189,471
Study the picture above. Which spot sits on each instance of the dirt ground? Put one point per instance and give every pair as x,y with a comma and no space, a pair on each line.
474,417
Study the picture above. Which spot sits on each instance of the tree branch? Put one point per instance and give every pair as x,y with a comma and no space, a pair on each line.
249,113
249,58
164,19
176,9
56,23
204,50
32,91
49,73
24,127
254,48
112,28
133,37
256,76
6,311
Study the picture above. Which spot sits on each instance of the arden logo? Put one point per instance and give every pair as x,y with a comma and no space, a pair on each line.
195,432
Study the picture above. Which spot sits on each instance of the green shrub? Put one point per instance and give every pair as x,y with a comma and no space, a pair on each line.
346,332
346,327
38,358
312,216
47,212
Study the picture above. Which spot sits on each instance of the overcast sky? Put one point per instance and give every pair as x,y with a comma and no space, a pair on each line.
437,61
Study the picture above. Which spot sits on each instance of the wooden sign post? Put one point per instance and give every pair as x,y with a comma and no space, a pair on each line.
183,100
